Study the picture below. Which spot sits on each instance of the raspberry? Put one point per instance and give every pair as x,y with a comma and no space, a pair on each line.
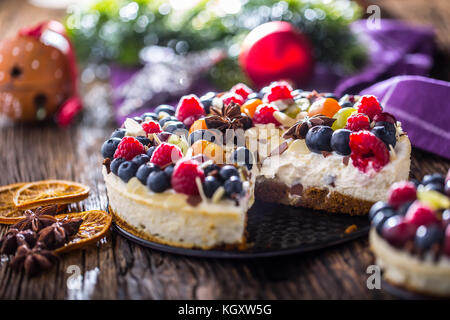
278,91
128,148
232,97
242,90
367,150
384,117
401,192
358,122
183,177
189,109
151,127
369,105
420,214
165,154
264,115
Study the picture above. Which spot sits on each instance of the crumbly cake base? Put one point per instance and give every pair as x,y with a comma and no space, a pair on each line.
273,190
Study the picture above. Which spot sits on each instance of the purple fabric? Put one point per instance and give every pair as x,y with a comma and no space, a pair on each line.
423,107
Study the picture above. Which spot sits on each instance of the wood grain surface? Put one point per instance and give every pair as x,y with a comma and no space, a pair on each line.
118,269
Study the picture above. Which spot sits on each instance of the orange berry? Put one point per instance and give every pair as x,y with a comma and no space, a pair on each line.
198,125
325,106
210,149
250,106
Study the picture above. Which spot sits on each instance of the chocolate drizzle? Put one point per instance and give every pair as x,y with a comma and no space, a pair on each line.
301,128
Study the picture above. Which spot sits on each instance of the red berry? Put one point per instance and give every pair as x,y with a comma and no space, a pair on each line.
447,241
401,192
151,127
397,231
369,105
165,154
189,109
368,151
264,115
420,214
128,148
242,90
278,91
183,177
232,97
358,121
385,117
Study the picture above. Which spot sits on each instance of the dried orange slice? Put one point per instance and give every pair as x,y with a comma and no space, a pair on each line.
41,193
9,214
94,227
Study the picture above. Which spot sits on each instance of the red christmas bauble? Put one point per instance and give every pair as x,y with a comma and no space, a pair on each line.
276,50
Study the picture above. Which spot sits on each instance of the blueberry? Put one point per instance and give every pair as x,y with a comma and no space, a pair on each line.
158,181
114,166
119,133
447,188
380,217
210,168
163,136
416,182
404,208
169,170
446,218
137,119
141,159
144,171
242,156
165,108
433,178
347,104
264,90
247,122
385,135
340,141
210,185
380,205
318,139
127,170
332,96
435,187
206,100
233,186
201,135
150,116
175,127
228,171
150,151
144,140
255,95
426,236
109,147
167,119
390,127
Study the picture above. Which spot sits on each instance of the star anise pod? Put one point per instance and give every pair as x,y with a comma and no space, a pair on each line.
38,219
228,117
33,260
15,238
301,128
57,234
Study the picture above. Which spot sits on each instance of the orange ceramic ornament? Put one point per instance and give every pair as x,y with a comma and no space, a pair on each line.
38,75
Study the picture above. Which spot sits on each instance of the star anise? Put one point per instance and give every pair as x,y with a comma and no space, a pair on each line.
57,234
33,260
301,128
15,238
38,219
228,117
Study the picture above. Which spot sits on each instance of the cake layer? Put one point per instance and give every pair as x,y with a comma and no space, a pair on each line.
400,268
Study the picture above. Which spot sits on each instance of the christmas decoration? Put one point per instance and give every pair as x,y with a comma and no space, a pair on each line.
38,75
276,50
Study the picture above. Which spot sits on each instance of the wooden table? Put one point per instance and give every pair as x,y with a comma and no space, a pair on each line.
118,269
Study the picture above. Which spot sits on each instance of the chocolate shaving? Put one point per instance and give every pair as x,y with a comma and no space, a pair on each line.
280,149
297,189
107,164
194,200
301,128
228,117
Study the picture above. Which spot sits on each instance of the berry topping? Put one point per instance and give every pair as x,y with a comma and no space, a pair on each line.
384,117
149,116
228,171
127,170
232,98
278,91
150,151
207,100
380,217
114,166
165,154
183,177
233,186
324,106
119,133
141,159
397,231
128,148
189,109
109,147
169,170
158,181
369,105
164,120
340,141
210,185
380,205
151,127
201,135
401,192
357,122
144,171
212,169
165,108
433,178
426,236
242,90
175,127
385,135
242,156
318,139
144,140
368,151
420,214
264,115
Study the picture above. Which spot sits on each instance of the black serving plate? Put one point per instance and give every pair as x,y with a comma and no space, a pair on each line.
276,230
